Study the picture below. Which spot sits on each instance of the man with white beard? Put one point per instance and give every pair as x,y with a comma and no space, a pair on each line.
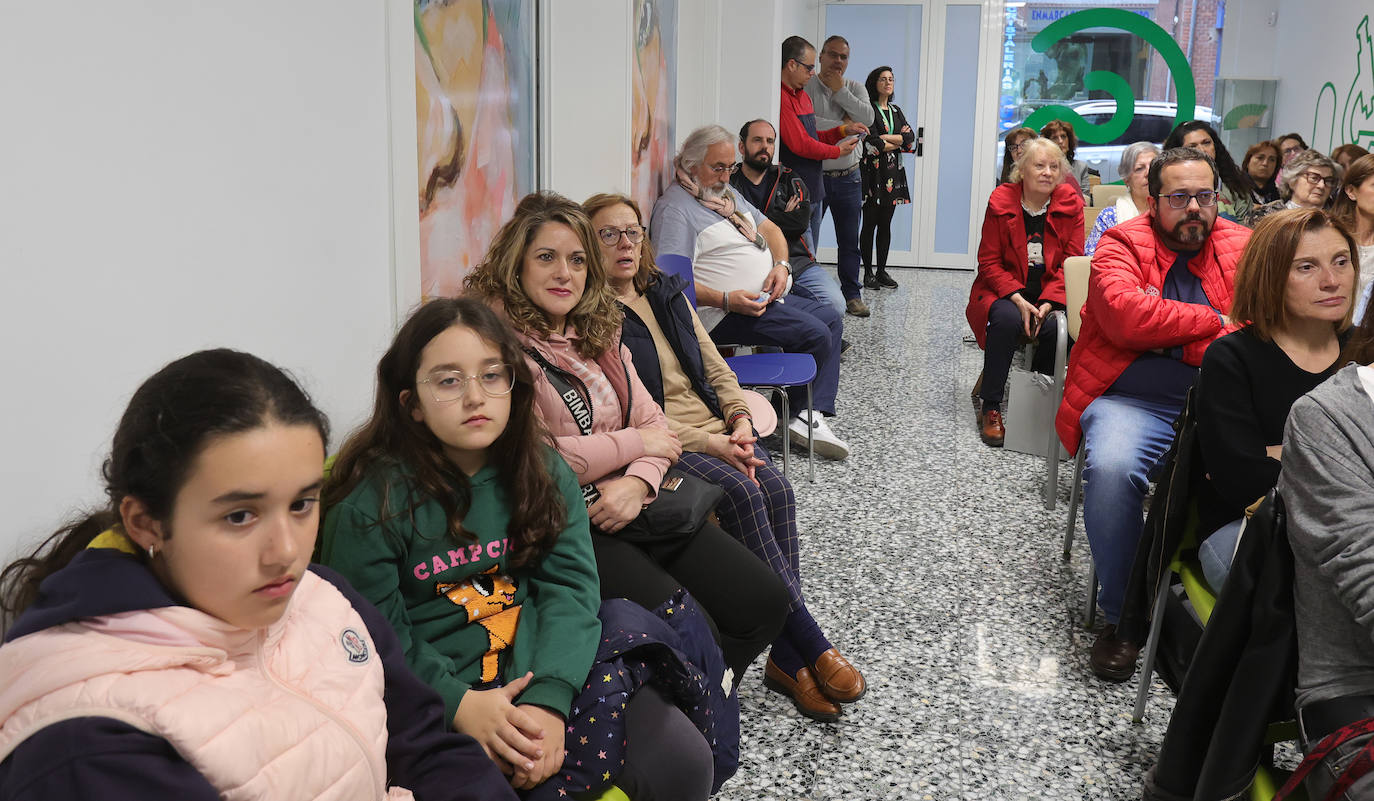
741,272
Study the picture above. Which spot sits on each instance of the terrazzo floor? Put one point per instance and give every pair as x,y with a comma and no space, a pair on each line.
932,564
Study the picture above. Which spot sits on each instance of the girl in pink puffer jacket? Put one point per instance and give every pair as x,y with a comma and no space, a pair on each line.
179,645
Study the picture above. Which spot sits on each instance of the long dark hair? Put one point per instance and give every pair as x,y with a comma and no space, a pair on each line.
1231,176
168,422
392,438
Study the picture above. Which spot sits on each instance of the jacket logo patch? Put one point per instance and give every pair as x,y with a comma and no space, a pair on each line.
1151,291
355,646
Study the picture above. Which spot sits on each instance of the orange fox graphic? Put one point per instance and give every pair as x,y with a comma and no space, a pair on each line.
487,597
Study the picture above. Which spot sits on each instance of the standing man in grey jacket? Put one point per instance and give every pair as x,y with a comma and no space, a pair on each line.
838,100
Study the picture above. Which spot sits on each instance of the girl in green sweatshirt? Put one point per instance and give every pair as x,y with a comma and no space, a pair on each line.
452,513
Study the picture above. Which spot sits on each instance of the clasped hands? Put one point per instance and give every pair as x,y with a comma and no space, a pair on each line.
1032,317
737,448
525,741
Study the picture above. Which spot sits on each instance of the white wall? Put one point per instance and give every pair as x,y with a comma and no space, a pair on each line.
587,102
1329,48
180,176
1249,39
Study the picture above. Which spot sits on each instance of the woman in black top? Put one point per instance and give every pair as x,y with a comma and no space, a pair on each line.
1294,291
884,177
1261,164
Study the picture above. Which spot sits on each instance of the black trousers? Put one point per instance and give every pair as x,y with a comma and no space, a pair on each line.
1004,334
666,758
743,598
877,219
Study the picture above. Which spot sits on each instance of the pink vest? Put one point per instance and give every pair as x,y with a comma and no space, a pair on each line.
291,711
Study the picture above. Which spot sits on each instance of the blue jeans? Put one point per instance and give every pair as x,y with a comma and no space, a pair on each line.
815,283
844,198
797,325
1216,551
1124,437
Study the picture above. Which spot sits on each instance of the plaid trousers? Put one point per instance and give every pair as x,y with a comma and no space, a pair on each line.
763,518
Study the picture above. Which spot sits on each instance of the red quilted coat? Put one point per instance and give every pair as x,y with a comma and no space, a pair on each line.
1002,266
1125,315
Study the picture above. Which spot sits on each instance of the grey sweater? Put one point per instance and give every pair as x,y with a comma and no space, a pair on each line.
1327,484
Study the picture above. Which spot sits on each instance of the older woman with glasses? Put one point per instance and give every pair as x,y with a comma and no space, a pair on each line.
1134,170
1306,182
1261,164
1290,145
1011,150
711,417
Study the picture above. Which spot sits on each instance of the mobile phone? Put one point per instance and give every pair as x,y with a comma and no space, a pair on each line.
847,140
762,298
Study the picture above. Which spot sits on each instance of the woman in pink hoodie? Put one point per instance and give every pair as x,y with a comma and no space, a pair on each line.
544,272
178,644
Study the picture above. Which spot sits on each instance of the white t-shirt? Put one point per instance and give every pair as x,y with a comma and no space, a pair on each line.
722,258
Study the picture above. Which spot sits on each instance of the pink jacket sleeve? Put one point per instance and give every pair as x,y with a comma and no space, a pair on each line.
1140,321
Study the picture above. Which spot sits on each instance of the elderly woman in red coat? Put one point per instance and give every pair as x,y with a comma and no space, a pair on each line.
1032,224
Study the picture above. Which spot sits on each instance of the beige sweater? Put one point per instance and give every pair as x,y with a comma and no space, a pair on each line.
688,416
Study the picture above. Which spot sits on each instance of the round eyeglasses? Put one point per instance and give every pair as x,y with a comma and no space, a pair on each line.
447,386
1179,200
610,235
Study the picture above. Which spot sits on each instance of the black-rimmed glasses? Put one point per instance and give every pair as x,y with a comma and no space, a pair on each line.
1179,200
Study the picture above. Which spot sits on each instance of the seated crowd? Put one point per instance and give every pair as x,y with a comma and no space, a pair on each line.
545,563
1182,298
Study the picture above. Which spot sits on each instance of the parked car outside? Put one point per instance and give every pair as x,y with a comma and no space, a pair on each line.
1152,123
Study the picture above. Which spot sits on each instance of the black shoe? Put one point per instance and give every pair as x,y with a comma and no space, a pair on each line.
845,346
1112,657
885,280
871,281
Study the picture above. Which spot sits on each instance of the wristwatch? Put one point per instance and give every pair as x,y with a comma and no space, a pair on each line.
784,264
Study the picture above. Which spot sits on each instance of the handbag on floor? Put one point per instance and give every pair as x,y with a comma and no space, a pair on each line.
1030,413
683,502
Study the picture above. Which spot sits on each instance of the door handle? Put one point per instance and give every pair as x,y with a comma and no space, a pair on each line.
920,141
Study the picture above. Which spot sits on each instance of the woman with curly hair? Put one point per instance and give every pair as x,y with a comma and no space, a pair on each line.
1236,187
1306,182
545,273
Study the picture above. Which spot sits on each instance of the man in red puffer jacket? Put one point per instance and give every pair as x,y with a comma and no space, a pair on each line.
1158,295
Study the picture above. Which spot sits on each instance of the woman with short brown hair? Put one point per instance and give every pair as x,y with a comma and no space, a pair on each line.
1062,134
1294,291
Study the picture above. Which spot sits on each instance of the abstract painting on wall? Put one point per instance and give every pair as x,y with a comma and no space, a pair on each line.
475,114
653,124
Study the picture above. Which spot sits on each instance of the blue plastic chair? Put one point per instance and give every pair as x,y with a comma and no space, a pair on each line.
774,372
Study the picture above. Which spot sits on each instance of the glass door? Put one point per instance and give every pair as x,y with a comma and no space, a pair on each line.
889,35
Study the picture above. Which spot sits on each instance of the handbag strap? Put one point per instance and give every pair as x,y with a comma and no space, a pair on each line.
1356,769
579,402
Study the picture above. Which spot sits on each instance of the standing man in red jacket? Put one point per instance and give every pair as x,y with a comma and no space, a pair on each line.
803,148
1158,294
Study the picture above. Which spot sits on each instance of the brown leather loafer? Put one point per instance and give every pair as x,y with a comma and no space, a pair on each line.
1113,658
990,428
840,681
802,689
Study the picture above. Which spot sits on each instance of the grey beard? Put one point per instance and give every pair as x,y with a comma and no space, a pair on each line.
716,193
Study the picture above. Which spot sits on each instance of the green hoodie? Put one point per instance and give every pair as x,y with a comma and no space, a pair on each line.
456,605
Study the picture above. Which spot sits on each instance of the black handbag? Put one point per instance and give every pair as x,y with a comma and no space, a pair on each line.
683,503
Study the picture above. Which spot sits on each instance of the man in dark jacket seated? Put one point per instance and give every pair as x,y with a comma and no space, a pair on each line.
777,192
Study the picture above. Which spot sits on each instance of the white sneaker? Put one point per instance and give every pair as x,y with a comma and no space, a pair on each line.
827,444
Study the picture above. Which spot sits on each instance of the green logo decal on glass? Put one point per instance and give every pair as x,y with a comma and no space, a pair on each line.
1110,82
1356,121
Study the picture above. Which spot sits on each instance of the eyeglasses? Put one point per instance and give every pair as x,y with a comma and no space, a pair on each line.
810,68
1315,178
722,169
610,236
1179,200
447,386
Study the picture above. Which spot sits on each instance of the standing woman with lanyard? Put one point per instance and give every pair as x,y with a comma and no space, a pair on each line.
884,178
